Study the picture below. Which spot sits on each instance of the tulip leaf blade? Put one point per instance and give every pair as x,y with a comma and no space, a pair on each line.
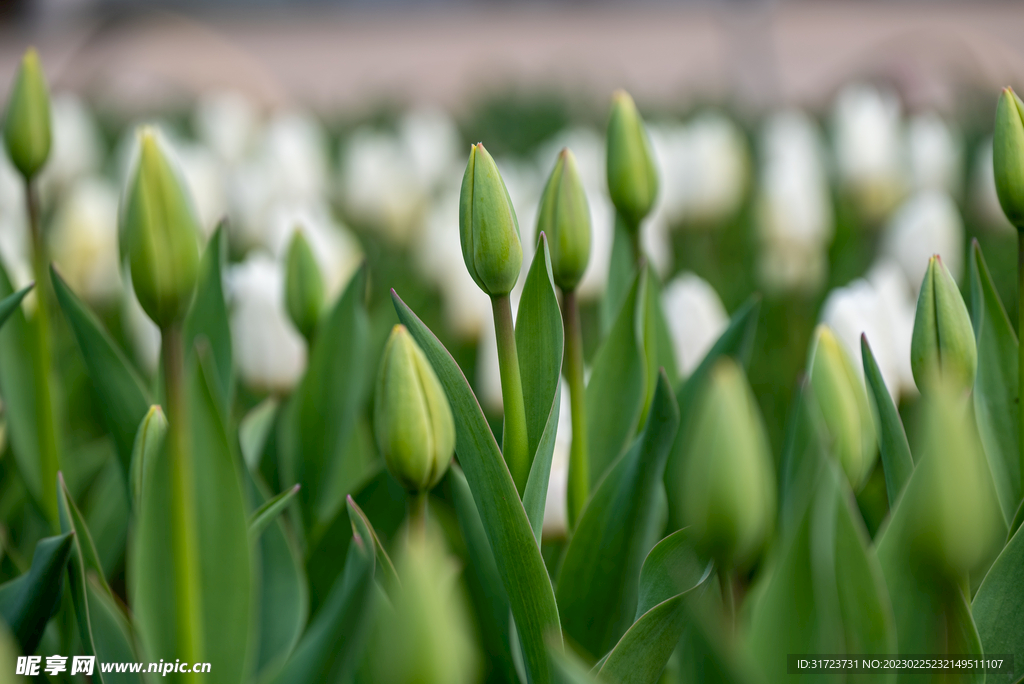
149,440
616,390
10,303
361,525
671,574
28,601
508,529
897,463
995,385
104,628
597,584
269,510
539,345
208,317
998,606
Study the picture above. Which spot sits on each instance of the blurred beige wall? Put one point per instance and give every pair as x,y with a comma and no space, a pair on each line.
773,52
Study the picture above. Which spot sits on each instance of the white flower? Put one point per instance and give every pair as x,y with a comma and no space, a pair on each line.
695,317
83,240
488,371
794,205
927,223
984,197
226,122
269,352
432,142
935,154
77,146
15,242
869,151
556,521
204,174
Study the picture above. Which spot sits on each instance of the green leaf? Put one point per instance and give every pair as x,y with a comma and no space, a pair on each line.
598,580
334,639
361,527
28,601
102,625
508,529
539,344
617,387
804,455
149,440
671,573
222,546
269,511
999,606
737,341
666,355
254,430
123,399
995,385
324,407
208,317
897,463
568,668
621,273
10,303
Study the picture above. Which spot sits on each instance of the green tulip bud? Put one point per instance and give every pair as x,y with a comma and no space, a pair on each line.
424,635
488,226
412,419
844,406
27,124
161,233
303,286
728,479
564,216
1008,156
632,175
943,339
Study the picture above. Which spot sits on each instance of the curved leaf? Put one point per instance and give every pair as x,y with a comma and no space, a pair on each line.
999,605
10,303
995,385
897,463
208,317
598,580
123,398
148,442
269,510
508,529
28,601
670,573
539,344
361,526
616,390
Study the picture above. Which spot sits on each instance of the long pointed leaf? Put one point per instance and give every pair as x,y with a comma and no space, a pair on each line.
10,303
362,527
999,606
28,601
598,580
897,462
148,442
208,317
269,511
508,529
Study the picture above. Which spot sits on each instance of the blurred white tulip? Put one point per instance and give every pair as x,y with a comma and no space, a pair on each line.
83,240
556,521
935,152
204,174
432,142
15,242
927,223
488,372
142,333
77,147
984,198
868,146
269,352
227,123
794,206
695,317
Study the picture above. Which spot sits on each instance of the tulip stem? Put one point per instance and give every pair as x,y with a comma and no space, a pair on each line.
42,360
728,598
634,241
514,440
183,530
417,509
579,466
1020,345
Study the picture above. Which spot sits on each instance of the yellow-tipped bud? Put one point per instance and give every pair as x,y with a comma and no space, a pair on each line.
303,286
27,122
632,174
943,340
564,216
1008,156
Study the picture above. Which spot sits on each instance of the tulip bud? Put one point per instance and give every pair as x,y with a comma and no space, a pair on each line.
632,174
27,124
412,419
424,635
303,286
161,233
844,406
728,481
1008,156
564,216
488,226
943,340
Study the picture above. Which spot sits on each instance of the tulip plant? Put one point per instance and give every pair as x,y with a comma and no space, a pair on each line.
254,541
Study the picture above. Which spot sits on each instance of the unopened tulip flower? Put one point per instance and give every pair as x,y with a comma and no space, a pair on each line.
943,342
488,227
1008,156
27,121
412,419
564,216
632,173
161,230
303,286
844,406
728,485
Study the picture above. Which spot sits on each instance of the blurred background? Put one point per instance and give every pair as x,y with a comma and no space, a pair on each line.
817,153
